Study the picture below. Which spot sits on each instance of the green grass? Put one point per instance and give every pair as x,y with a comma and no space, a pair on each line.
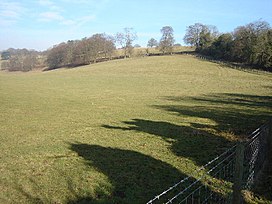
120,131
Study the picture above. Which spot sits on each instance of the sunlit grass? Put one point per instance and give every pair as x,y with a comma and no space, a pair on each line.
120,131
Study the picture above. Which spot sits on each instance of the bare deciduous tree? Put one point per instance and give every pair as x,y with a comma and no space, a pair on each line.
167,39
152,43
21,60
125,40
200,35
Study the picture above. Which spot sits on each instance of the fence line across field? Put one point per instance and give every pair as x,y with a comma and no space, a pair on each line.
218,180
196,172
255,154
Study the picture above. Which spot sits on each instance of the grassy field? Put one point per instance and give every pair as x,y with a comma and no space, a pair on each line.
142,51
120,131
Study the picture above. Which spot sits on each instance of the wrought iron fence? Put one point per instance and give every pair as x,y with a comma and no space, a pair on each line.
214,182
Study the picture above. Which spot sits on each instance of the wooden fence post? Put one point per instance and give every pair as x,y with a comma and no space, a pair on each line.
238,174
269,140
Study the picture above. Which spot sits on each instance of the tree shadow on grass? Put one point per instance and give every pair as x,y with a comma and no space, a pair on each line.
135,177
236,113
233,116
187,142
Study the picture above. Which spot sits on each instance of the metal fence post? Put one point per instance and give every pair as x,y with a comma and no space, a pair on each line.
238,174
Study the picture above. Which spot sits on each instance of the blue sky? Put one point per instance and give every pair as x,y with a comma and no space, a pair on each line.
39,24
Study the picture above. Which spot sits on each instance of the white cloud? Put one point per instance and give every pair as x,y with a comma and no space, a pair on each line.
85,19
68,22
10,9
78,22
50,5
50,16
46,2
10,12
53,16
79,1
6,22
54,13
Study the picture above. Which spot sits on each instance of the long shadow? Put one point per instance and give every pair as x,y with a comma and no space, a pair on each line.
232,114
245,100
236,113
185,141
135,177
239,114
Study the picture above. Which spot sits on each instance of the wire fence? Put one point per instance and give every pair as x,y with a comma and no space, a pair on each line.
255,155
233,65
215,182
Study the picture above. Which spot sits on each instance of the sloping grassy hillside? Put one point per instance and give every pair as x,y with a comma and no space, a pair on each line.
120,131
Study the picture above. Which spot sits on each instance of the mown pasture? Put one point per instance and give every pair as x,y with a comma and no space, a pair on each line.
121,131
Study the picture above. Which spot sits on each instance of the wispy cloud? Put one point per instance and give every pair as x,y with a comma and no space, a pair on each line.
50,5
80,1
52,13
50,16
53,16
10,12
46,2
85,19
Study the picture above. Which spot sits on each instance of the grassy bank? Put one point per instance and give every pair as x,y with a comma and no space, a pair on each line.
114,132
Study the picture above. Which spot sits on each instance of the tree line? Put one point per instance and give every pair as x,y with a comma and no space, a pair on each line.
80,52
98,47
22,60
72,53
250,44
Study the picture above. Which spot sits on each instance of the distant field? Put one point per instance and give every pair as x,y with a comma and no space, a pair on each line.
141,51
120,131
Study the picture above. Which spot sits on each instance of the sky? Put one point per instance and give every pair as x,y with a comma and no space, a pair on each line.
40,24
